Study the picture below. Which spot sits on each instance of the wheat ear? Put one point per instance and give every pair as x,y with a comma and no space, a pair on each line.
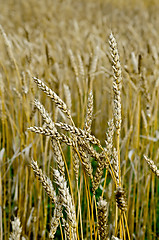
102,207
58,156
16,229
66,198
56,218
117,82
55,98
152,166
45,115
48,132
45,181
121,199
117,91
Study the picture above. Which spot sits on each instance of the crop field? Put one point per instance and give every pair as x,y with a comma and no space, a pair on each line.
79,119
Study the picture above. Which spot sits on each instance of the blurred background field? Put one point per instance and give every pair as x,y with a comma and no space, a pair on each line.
38,39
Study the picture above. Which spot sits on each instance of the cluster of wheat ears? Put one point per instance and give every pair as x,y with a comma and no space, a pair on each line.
82,145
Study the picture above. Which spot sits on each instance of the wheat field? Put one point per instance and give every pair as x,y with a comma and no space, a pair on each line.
79,125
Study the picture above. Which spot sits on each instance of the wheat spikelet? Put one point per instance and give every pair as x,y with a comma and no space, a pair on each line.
121,199
58,156
88,121
16,229
66,229
109,138
117,107
45,181
102,207
152,166
76,164
69,233
114,162
86,163
98,174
